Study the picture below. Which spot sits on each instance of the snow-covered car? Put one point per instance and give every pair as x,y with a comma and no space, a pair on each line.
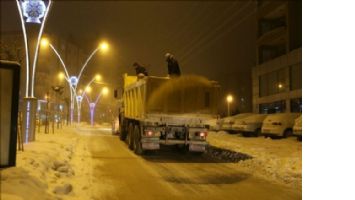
297,128
250,125
228,122
213,124
279,124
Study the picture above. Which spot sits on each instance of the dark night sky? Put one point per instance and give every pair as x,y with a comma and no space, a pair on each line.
214,39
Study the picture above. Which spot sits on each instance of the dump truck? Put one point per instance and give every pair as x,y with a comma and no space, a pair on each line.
157,111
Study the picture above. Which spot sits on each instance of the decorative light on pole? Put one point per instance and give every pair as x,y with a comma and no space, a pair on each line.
33,11
92,105
87,89
229,101
74,80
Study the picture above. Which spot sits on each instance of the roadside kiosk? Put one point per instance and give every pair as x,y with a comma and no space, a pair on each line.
9,100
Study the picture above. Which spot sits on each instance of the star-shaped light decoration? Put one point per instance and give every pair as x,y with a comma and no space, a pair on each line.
79,98
33,10
73,80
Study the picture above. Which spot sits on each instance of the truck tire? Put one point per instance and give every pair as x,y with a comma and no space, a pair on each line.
257,132
123,135
123,131
130,136
287,133
137,141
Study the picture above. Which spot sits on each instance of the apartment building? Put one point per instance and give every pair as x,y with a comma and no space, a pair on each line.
277,76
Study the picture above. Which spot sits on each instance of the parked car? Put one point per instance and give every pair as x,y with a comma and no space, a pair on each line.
228,122
250,125
297,128
213,124
279,124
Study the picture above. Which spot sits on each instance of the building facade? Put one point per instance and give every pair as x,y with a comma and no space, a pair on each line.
277,76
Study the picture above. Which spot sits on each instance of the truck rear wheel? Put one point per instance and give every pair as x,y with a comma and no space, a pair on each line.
287,133
130,136
123,131
137,141
257,132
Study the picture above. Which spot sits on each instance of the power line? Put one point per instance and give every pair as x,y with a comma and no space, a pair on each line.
204,40
221,35
208,22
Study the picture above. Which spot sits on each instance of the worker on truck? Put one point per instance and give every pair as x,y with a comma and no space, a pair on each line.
173,65
140,70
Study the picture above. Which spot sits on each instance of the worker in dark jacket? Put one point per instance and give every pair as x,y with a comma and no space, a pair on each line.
140,70
173,65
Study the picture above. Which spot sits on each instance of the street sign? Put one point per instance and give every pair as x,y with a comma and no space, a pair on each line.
9,98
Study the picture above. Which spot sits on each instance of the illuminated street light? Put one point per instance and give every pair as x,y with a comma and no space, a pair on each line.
74,80
44,42
104,46
61,76
92,105
98,77
87,89
34,12
229,100
105,91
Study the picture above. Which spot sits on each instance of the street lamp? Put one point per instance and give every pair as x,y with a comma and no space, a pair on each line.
280,86
93,104
74,80
229,100
104,46
44,42
61,76
35,12
87,89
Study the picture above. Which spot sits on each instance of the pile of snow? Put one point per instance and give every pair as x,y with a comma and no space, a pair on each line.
225,154
52,167
276,160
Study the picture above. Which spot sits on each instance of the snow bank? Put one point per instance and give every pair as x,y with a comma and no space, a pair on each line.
276,160
52,167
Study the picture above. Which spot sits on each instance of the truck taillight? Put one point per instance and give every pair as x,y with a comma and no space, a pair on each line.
148,133
201,134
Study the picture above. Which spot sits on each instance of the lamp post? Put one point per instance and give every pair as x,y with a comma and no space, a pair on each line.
92,105
229,99
33,13
46,126
57,110
73,80
79,98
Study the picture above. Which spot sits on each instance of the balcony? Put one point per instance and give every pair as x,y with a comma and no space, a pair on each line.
270,52
272,9
275,36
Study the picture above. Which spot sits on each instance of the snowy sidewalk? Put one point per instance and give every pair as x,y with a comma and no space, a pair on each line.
52,167
275,160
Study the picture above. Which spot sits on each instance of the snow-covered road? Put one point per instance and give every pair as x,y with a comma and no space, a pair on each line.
102,168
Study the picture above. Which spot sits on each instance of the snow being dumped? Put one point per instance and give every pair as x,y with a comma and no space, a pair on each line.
52,167
279,161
